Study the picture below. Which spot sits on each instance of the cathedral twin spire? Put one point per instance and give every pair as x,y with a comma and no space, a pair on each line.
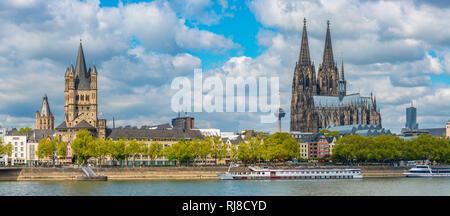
328,59
304,58
328,82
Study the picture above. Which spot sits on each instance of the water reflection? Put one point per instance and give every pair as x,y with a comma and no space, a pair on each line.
364,187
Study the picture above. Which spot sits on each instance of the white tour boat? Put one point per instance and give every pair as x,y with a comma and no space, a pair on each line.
426,171
257,173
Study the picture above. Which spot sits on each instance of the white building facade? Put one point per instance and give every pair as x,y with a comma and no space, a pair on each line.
19,150
2,138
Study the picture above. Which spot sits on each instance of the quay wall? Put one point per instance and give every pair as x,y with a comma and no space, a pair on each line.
163,173
9,174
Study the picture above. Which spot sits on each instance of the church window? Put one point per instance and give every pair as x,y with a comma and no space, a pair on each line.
82,97
77,97
87,97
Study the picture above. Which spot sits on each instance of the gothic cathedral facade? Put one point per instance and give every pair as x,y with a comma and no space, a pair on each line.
318,103
80,107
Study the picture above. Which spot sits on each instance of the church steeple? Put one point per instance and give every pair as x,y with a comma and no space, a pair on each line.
342,69
304,87
342,82
44,117
328,75
82,77
45,108
80,67
304,57
328,59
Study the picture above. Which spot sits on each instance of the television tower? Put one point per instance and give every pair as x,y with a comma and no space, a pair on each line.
280,113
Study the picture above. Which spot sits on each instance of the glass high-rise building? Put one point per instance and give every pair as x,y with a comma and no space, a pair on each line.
411,118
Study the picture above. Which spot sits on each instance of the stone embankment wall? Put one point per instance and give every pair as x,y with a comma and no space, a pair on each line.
9,174
163,173
378,172
49,174
119,173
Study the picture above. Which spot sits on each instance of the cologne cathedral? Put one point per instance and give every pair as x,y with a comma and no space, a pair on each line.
322,101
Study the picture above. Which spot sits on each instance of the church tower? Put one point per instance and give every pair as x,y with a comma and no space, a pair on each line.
342,82
80,105
328,76
304,87
44,118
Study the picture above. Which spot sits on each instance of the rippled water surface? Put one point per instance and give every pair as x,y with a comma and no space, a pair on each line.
345,187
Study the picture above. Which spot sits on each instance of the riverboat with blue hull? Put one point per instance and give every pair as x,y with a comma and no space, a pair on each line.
278,174
421,171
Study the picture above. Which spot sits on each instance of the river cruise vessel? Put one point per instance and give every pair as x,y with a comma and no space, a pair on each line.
257,173
426,171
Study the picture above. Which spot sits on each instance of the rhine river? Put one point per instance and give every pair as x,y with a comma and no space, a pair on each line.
343,187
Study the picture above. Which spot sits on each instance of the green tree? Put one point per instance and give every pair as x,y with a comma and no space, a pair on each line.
46,149
155,150
6,149
82,146
234,153
204,149
280,146
133,148
99,149
329,133
251,149
118,150
23,130
219,148
61,150
102,149
181,151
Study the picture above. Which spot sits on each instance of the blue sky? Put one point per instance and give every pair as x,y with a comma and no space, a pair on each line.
399,50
